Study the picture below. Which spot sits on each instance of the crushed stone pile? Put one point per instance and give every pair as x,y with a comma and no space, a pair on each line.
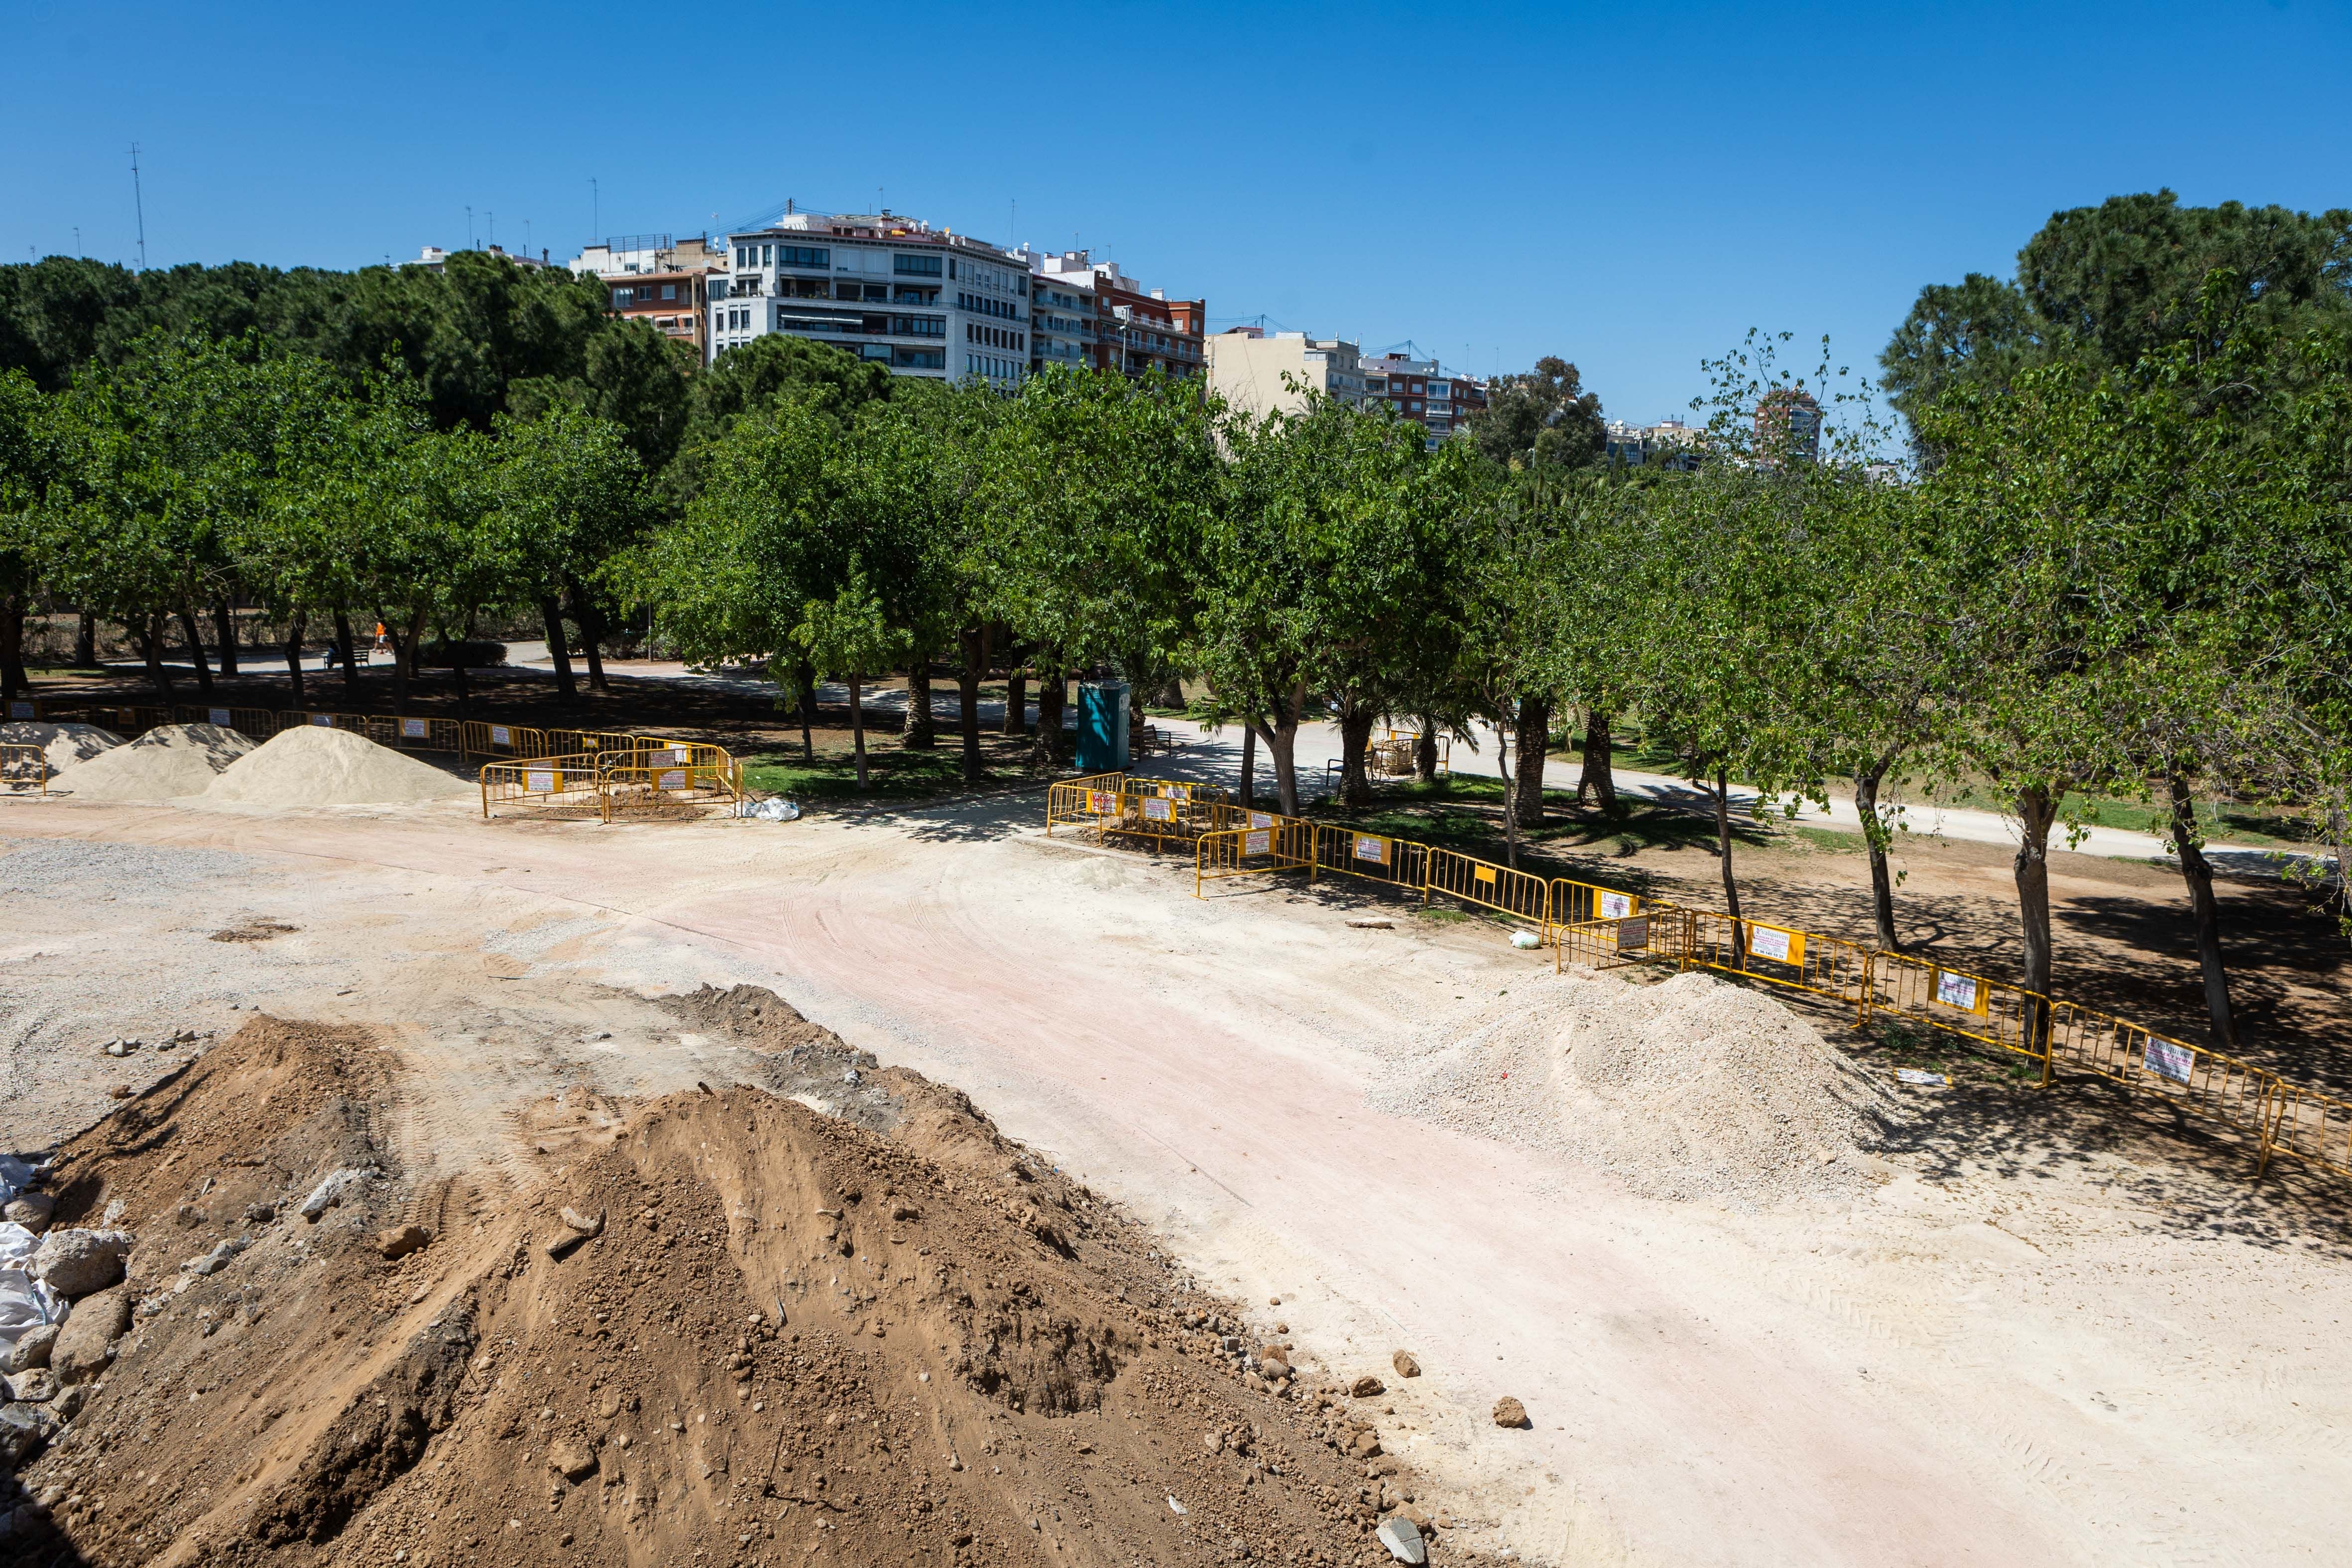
315,766
712,1327
164,763
64,744
1690,1088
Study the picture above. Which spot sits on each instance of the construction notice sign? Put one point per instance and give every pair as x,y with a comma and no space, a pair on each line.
1101,802
1959,991
674,779
539,783
1259,843
412,729
20,710
1369,847
1779,945
1615,907
1260,819
1633,933
1157,809
2167,1060
219,716
502,736
323,720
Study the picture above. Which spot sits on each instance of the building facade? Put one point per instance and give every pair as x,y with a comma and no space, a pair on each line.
890,289
665,284
1256,372
1110,321
1669,443
1424,391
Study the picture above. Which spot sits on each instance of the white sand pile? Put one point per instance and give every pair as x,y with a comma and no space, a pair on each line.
314,766
64,744
165,762
1694,1087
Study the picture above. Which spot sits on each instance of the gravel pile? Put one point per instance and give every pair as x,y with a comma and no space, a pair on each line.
313,766
164,763
63,744
1691,1089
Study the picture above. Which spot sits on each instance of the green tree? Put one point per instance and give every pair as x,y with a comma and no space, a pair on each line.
1542,418
850,637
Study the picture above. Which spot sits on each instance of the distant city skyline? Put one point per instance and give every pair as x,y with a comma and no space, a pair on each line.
1631,190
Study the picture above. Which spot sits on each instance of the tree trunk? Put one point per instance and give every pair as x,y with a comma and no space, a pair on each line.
1599,779
1281,739
1249,766
806,673
1355,739
857,724
1875,835
557,649
920,731
1510,797
11,648
86,642
590,617
1016,701
2189,844
1723,849
974,639
196,650
1424,752
403,657
149,635
350,658
2036,810
294,629
225,634
1052,693
1533,740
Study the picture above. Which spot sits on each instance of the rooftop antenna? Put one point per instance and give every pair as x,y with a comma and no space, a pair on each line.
469,225
493,240
526,237
139,205
595,211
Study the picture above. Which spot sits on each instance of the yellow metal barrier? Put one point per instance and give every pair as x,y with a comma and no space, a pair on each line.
23,768
1087,799
1574,902
484,739
1284,846
1400,862
23,708
1654,936
253,723
559,785
1411,740
1779,955
1162,818
1521,895
1980,1008
568,742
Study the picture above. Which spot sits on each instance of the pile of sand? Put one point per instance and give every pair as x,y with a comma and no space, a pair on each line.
715,1328
64,744
163,764
316,766
1695,1088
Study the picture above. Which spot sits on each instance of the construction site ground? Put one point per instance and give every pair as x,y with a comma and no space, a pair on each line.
2022,1329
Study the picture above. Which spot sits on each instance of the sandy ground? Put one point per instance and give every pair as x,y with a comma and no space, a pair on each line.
2011,1347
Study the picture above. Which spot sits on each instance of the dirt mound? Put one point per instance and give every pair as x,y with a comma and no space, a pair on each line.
316,766
63,744
167,762
751,1014
723,1328
1694,1087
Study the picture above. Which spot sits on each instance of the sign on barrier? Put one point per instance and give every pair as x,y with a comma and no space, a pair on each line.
413,729
1616,906
1965,991
21,711
1158,808
500,735
323,720
1369,847
1777,943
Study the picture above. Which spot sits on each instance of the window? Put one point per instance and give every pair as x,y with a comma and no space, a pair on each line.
848,291
915,266
669,291
621,297
877,292
767,254
918,327
918,359
803,255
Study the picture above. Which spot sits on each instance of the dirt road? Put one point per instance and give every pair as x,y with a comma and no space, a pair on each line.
2053,1354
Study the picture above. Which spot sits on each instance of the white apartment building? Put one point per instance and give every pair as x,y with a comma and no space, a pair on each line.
1062,311
888,289
1247,368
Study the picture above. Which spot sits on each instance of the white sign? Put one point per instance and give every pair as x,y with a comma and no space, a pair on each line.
20,710
323,720
1101,802
539,783
1260,819
669,755
1368,847
1956,990
412,729
1157,809
1765,942
674,779
220,717
502,736
1615,906
1261,843
2167,1060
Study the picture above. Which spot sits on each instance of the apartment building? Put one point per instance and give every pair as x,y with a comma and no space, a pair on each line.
889,289
1112,323
1669,442
652,279
1425,392
1248,369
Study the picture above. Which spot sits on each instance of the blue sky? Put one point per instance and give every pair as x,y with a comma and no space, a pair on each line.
1630,186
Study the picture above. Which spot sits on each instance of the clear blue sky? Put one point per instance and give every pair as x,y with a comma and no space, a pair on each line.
1632,187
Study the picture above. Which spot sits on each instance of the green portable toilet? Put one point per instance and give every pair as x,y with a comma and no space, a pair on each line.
1102,726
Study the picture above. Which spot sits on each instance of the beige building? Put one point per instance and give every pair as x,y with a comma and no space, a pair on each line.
1248,370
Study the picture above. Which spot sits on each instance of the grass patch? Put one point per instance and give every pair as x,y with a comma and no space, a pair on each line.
892,774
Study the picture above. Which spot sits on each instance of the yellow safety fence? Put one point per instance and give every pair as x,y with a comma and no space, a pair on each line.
1601,927
1087,799
25,769
677,780
671,789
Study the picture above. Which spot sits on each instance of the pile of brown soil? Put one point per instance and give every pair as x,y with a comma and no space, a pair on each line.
716,1327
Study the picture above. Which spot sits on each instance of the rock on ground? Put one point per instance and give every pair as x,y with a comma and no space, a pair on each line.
77,1262
80,1352
1404,1363
1510,1412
